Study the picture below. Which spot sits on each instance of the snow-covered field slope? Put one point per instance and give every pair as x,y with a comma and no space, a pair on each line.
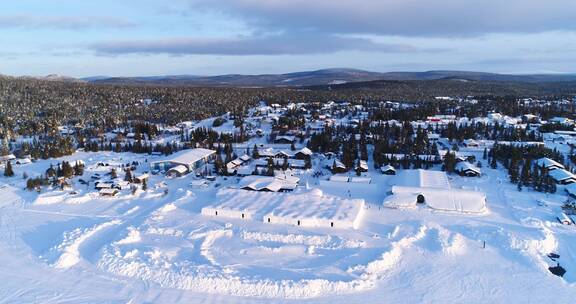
157,247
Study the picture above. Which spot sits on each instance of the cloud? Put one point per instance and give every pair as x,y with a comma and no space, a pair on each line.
400,17
62,22
267,45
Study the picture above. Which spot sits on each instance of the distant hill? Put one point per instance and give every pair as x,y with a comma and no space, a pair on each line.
321,77
54,77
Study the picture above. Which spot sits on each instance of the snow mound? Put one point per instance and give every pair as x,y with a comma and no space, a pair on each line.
324,241
132,237
316,192
168,207
71,247
170,270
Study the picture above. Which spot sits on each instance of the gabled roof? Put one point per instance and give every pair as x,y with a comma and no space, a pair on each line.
363,165
142,176
180,169
339,164
188,157
285,137
108,191
245,158
305,151
571,189
548,163
387,168
466,166
561,174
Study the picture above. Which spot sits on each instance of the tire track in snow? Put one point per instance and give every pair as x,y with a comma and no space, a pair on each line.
199,280
72,253
88,245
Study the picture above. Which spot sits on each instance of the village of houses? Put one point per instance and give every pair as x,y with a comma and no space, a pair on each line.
279,199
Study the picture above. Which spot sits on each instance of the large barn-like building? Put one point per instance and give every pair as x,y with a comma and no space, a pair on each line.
432,188
184,162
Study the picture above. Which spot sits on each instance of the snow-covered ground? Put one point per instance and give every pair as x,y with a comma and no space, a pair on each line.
157,247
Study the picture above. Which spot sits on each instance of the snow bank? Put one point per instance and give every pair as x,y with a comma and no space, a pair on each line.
71,246
324,241
132,237
168,271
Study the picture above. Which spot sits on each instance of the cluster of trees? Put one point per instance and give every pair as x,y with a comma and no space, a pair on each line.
325,141
136,147
520,162
486,131
229,155
64,169
57,146
271,165
402,139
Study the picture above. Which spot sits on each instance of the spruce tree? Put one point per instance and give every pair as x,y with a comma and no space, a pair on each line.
493,163
78,169
8,172
128,176
270,167
255,153
67,170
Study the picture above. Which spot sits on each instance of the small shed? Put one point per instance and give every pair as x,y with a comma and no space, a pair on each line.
467,169
177,171
141,178
362,166
388,170
108,192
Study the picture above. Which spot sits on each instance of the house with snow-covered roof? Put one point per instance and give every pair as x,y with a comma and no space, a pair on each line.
465,168
304,153
548,163
562,176
284,139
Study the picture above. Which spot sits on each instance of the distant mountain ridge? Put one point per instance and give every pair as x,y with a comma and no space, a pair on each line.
336,76
323,77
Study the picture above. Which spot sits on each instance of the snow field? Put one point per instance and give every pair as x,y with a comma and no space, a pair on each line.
158,247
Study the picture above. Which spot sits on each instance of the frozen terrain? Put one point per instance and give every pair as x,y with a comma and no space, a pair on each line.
157,247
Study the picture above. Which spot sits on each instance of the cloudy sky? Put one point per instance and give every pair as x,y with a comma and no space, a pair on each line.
210,37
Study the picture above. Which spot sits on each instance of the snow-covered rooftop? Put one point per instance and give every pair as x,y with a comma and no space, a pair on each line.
423,179
188,157
310,209
440,199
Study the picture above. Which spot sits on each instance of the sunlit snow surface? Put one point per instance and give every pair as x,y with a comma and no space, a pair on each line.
153,247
